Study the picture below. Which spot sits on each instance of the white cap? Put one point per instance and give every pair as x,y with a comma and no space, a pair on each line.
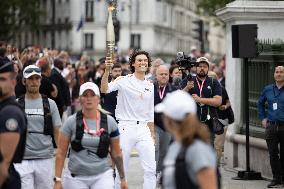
176,105
31,70
91,86
203,60
193,48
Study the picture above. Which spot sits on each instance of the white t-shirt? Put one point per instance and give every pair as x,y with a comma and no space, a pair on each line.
135,98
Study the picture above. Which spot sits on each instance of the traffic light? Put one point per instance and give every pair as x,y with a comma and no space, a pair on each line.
116,25
199,30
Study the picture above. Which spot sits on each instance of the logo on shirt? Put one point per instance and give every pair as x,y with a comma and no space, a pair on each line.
11,124
208,87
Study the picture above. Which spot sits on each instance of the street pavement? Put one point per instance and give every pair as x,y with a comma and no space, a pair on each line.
135,178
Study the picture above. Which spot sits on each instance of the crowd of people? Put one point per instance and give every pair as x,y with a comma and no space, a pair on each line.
96,111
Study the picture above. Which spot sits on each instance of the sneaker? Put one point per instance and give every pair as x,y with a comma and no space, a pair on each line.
274,184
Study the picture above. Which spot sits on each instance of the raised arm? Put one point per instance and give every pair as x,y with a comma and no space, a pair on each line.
104,81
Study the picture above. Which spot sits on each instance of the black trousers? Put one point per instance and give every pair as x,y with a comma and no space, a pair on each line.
14,180
274,135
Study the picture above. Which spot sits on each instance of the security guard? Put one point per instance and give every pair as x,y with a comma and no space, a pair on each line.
12,128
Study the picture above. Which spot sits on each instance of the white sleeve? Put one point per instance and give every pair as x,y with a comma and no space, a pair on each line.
151,110
115,85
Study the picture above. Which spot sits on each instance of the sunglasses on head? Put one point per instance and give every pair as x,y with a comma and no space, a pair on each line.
31,70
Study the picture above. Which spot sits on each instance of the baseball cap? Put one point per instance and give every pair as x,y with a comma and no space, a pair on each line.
176,105
31,70
89,86
203,60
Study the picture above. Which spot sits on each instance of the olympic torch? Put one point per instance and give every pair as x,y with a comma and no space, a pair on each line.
110,38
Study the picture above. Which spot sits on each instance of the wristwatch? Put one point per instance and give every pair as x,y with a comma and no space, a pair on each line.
57,179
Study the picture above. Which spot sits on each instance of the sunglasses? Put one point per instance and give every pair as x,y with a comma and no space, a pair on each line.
31,70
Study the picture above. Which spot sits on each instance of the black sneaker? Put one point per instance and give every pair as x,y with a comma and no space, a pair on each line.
274,184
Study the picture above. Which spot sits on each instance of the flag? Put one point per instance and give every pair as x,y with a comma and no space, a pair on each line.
80,24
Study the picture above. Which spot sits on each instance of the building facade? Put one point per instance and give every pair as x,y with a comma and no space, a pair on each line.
162,27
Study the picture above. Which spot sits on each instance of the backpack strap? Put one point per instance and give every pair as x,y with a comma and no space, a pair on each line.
104,123
183,181
79,126
21,101
48,126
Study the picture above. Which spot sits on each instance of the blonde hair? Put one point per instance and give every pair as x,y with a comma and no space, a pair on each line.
191,128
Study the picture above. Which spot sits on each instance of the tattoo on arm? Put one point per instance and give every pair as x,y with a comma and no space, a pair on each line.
119,165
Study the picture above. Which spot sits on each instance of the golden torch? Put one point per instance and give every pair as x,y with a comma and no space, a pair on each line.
110,38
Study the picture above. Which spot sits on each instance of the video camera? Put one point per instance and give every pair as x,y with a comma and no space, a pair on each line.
185,62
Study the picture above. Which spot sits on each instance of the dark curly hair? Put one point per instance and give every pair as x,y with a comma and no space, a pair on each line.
133,56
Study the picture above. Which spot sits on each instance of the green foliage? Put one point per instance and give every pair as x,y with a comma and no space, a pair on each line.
18,15
208,7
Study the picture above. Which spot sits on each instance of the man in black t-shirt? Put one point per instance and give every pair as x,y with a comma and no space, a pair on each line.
207,92
12,128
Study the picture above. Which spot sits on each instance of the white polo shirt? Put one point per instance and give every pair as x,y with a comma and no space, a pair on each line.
135,98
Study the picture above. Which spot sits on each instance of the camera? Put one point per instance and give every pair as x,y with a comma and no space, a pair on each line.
185,62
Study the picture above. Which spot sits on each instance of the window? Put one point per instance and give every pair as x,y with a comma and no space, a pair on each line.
89,11
165,12
89,41
135,41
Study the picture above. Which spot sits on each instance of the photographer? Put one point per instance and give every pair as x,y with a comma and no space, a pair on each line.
205,91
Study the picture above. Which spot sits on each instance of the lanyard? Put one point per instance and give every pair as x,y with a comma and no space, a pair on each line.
98,130
161,93
200,87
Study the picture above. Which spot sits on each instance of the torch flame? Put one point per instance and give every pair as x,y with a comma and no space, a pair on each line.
110,8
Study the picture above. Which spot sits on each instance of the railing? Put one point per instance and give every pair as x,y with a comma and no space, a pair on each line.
261,73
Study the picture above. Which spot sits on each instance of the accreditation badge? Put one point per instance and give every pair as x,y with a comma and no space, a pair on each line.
275,106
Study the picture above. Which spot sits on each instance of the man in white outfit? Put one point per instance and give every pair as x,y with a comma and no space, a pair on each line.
135,113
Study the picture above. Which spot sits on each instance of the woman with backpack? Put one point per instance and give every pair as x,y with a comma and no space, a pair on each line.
92,135
190,162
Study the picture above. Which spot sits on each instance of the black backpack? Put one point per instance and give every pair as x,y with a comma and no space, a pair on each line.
183,181
48,126
104,142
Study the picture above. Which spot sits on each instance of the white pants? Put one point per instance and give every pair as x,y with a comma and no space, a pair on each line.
133,135
101,181
36,174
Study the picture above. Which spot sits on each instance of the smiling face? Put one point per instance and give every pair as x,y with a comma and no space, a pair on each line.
141,63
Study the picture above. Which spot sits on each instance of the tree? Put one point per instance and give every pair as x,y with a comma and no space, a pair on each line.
18,15
210,6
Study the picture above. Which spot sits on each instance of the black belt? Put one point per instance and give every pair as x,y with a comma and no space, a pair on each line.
279,123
